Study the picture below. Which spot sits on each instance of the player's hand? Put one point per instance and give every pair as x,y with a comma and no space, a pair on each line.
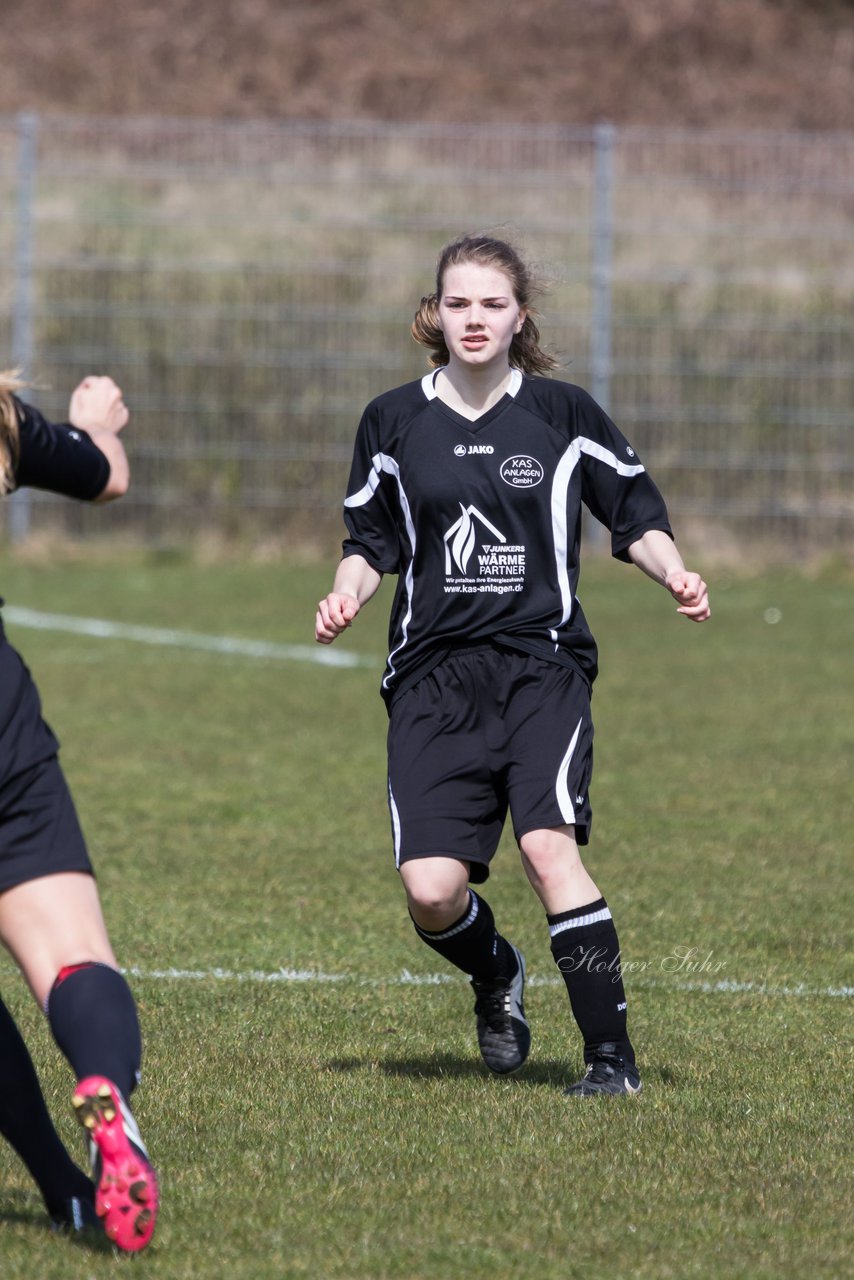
334,614
97,405
691,592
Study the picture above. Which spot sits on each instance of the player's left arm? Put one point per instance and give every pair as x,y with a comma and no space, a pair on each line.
658,556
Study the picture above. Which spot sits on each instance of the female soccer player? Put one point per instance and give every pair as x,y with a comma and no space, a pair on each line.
50,914
468,485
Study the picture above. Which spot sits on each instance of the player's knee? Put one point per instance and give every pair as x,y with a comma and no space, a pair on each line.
434,900
433,907
549,855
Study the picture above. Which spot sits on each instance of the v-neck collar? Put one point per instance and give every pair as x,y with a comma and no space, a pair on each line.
428,386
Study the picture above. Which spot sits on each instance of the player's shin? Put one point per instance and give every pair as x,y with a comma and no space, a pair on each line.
587,952
473,943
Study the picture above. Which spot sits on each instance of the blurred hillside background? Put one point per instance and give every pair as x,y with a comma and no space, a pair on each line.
771,64
234,209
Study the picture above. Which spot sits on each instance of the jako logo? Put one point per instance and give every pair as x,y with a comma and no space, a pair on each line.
522,471
460,449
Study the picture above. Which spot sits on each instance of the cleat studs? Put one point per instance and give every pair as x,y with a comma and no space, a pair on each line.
142,1221
126,1188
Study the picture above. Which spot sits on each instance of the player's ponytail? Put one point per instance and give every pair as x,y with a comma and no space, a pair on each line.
425,329
525,350
9,440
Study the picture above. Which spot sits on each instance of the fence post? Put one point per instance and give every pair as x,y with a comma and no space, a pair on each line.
604,139
23,342
601,277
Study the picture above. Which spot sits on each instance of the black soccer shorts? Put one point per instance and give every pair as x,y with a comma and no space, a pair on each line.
40,834
486,730
39,830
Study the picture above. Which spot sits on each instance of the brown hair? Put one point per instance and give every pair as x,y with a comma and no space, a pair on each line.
10,381
525,350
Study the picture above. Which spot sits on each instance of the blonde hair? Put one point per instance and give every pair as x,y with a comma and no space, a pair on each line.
487,251
10,381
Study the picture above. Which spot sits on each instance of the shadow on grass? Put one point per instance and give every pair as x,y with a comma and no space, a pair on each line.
550,1073
15,1210
441,1066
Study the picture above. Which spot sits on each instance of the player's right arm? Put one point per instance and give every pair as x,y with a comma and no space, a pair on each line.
355,582
82,458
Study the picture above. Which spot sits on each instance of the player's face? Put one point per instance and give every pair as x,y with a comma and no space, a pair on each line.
479,314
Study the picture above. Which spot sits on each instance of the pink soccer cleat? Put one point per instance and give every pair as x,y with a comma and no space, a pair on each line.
126,1195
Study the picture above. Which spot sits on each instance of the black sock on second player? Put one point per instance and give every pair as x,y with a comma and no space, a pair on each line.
25,1122
93,1019
473,943
587,952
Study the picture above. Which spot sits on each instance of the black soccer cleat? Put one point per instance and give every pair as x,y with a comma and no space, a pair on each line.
609,1072
502,1029
76,1215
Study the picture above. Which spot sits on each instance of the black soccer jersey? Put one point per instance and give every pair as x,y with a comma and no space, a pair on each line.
481,521
63,459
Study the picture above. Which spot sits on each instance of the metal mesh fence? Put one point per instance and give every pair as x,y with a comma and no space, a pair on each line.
250,286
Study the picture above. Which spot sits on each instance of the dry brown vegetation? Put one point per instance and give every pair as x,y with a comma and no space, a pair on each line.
731,63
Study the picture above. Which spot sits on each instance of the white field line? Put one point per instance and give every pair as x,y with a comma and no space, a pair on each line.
101,629
726,986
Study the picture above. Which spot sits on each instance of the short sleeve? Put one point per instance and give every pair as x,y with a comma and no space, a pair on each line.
58,457
372,506
616,486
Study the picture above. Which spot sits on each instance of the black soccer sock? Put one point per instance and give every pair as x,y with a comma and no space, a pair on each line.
586,950
473,944
93,1019
26,1123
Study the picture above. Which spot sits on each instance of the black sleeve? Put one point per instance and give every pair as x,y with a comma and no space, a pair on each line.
369,509
58,457
615,485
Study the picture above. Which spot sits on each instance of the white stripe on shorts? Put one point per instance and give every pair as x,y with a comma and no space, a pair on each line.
564,799
395,825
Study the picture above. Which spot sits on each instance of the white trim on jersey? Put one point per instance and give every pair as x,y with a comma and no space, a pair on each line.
368,489
596,450
560,486
564,799
382,463
428,383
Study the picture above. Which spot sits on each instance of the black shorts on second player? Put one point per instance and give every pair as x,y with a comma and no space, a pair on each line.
39,831
486,730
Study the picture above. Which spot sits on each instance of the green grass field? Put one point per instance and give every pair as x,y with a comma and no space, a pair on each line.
314,1110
